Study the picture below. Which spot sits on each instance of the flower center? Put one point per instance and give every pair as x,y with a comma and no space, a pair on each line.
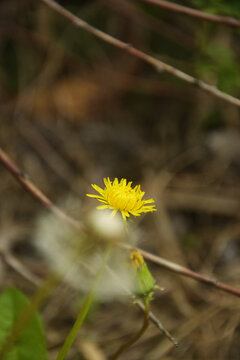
122,199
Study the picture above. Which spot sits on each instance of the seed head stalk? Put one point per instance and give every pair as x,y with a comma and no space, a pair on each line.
84,310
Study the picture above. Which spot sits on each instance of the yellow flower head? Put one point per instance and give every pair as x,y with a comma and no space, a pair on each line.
119,195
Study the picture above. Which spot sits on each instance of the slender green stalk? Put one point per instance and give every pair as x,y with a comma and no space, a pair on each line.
136,337
75,329
84,310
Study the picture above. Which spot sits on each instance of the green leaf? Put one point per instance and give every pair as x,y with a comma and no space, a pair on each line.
30,344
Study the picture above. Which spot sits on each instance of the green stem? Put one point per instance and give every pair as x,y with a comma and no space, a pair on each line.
136,337
84,311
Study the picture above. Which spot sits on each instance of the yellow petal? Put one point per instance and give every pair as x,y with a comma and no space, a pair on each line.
94,196
115,182
149,201
113,213
98,189
101,207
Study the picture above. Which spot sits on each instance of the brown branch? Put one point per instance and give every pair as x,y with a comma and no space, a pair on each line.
225,20
37,194
157,64
19,267
189,273
34,191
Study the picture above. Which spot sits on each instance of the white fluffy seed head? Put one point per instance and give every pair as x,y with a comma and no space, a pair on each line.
78,255
104,225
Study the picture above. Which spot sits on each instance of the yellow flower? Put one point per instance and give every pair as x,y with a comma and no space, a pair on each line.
136,259
119,195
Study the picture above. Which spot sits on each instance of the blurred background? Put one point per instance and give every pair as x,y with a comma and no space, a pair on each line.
74,109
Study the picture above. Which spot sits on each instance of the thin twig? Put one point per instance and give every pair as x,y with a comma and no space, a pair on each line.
189,273
157,64
37,194
158,324
225,20
34,191
137,14
15,264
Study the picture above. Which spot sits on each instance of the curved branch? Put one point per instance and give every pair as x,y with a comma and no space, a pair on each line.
189,273
157,64
225,20
34,191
